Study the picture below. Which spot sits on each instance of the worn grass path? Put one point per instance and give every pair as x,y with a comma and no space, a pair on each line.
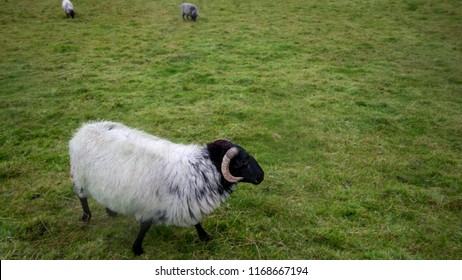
353,108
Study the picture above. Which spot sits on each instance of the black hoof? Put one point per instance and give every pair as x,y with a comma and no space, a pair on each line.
205,238
138,250
86,217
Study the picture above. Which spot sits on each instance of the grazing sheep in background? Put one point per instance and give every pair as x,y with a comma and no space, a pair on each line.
158,182
189,10
68,8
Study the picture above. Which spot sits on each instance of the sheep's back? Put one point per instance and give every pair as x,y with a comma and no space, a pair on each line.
67,6
188,9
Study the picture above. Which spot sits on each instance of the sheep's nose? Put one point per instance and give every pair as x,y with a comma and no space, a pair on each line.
258,180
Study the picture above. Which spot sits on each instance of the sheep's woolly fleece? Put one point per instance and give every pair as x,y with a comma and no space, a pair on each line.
68,8
188,9
134,173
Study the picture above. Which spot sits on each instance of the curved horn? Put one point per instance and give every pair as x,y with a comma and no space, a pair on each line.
230,154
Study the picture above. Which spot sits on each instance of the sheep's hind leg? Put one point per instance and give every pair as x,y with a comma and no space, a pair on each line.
138,244
111,213
86,210
203,235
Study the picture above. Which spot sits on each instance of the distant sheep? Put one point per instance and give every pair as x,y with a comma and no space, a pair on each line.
68,8
189,10
158,182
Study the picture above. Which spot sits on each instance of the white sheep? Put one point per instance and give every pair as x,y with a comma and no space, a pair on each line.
68,8
189,10
158,182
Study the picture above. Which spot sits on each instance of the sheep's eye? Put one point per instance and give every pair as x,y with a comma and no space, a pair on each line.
246,161
241,163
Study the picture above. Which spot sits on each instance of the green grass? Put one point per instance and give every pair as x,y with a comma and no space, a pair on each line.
353,108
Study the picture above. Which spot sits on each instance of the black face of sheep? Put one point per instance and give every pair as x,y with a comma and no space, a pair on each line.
245,166
241,167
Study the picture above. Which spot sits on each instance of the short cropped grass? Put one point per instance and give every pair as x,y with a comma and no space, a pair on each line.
353,108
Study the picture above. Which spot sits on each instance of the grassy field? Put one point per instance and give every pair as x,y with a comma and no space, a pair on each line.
353,108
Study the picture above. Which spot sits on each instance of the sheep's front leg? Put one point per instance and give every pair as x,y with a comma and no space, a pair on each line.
86,210
138,244
203,235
